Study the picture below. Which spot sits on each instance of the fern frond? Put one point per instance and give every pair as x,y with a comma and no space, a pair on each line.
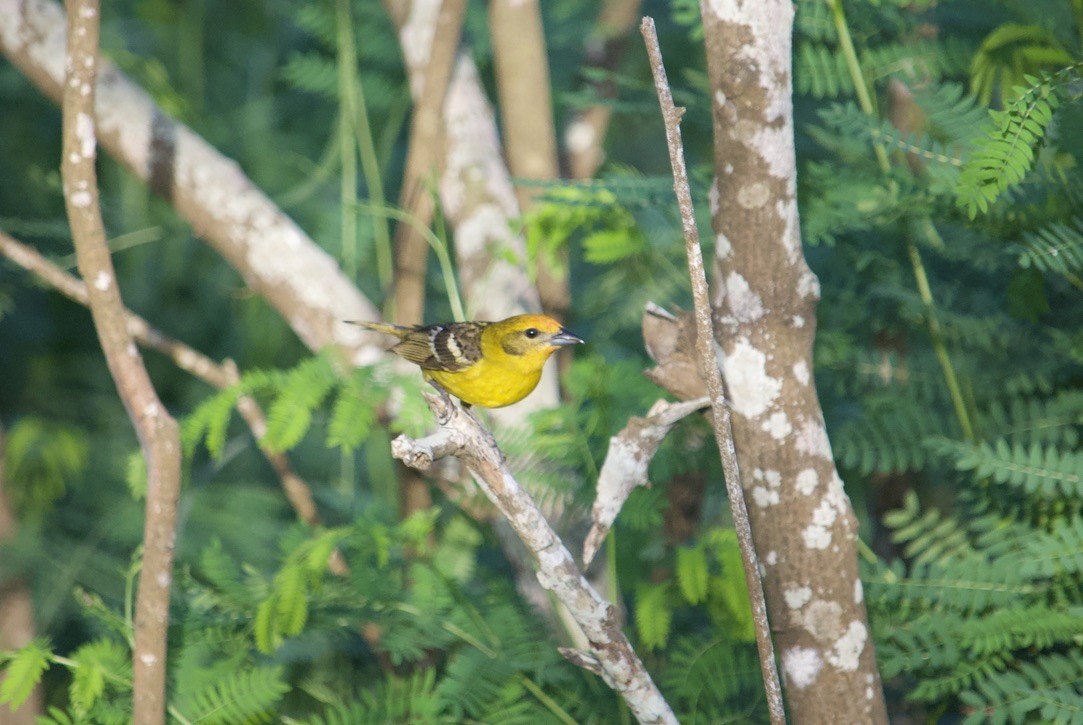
888,441
929,536
1006,152
303,389
1032,688
1016,628
1042,471
312,72
246,696
1027,420
717,680
971,584
1056,248
23,672
396,700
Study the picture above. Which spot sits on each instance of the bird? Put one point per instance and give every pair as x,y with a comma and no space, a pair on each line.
487,364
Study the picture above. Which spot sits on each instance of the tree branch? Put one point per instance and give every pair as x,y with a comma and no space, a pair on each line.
705,346
462,436
630,453
158,432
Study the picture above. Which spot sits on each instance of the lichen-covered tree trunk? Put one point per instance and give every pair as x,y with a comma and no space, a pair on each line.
765,320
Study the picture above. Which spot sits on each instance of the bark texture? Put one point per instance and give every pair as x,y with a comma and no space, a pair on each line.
765,321
159,435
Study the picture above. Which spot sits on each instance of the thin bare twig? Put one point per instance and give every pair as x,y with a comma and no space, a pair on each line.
705,345
158,433
611,655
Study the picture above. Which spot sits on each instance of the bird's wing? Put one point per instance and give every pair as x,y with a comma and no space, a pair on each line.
449,347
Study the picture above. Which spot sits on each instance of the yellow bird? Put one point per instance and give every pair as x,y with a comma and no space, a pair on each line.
488,364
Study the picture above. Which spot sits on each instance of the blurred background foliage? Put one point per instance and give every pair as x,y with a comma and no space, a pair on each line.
938,150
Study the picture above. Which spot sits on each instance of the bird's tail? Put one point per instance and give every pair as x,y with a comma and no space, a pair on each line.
387,328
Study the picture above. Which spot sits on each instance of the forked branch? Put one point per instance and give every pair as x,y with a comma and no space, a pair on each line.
611,655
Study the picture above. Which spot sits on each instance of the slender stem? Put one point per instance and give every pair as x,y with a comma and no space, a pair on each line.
938,340
438,246
705,349
347,86
550,704
370,167
864,99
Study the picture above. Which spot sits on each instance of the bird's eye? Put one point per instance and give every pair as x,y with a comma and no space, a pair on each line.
531,333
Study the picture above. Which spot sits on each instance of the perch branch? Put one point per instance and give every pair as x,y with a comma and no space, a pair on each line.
630,453
705,346
462,436
158,433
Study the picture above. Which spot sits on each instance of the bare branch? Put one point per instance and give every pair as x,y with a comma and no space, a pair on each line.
526,109
705,346
462,436
158,432
275,257
630,453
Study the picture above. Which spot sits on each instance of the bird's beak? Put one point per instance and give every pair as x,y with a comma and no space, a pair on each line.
564,338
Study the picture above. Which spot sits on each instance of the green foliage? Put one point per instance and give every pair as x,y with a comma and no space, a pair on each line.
22,672
1008,148
41,459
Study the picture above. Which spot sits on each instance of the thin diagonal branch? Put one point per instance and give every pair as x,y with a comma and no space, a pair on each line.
705,346
158,433
186,358
611,655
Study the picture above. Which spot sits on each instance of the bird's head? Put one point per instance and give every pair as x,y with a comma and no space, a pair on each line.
531,337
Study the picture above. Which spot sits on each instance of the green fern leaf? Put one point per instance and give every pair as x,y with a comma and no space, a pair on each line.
248,696
303,389
653,615
692,573
1038,470
23,672
354,412
95,663
1057,248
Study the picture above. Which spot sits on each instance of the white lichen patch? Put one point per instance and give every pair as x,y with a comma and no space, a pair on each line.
797,597
416,39
808,285
80,199
823,620
744,303
817,535
778,426
719,98
812,439
103,279
800,371
802,666
766,493
807,480
580,136
772,558
798,321
714,198
751,388
753,196
846,654
84,134
859,592
723,247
